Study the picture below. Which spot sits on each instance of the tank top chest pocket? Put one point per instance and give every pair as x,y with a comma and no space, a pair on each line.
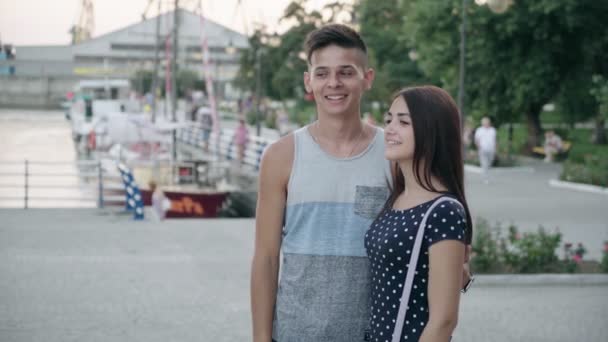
369,200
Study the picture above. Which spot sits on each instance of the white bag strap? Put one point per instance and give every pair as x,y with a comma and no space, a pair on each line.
411,269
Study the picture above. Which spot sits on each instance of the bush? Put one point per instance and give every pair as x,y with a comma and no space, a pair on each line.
239,204
485,248
271,120
573,257
604,264
531,252
594,171
525,253
251,117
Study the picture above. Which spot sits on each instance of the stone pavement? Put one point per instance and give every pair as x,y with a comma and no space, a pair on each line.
89,275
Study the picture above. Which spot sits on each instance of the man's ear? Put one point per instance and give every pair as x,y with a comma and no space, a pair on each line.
370,75
307,82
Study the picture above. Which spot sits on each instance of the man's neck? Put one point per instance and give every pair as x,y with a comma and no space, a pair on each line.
338,129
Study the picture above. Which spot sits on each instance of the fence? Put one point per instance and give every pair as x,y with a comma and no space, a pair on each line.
223,145
81,181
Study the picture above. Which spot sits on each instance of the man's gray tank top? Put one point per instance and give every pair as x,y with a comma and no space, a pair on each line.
324,292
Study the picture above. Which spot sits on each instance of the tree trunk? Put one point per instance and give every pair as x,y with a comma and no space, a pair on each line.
534,128
599,133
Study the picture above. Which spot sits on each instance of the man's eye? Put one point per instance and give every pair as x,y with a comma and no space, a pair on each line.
387,121
347,73
321,74
405,123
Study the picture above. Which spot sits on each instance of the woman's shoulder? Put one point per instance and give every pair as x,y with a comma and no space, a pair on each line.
447,220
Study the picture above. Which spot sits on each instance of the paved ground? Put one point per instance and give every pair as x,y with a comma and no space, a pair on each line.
85,275
526,199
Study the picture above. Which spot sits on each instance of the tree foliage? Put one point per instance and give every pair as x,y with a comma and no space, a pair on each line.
281,56
391,54
536,52
516,61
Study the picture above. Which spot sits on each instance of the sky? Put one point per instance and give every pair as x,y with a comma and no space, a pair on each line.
47,22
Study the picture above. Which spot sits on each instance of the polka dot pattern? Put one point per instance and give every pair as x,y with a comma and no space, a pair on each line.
389,243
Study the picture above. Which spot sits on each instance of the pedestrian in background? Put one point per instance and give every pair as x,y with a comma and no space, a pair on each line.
241,137
485,140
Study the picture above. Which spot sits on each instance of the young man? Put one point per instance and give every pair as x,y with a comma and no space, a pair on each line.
319,190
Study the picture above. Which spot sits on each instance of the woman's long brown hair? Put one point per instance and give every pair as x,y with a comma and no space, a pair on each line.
438,145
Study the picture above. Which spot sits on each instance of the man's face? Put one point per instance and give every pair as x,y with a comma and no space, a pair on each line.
485,122
338,77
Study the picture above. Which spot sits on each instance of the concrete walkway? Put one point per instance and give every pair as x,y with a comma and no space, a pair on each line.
525,198
89,275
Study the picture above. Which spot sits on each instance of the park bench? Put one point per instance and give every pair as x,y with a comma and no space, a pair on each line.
539,151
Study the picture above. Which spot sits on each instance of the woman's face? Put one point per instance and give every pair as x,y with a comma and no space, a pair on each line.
398,132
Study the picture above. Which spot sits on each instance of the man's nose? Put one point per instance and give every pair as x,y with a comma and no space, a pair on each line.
334,80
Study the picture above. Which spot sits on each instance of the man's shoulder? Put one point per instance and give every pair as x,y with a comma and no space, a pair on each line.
280,151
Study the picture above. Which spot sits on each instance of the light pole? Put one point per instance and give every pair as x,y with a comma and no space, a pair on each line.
258,90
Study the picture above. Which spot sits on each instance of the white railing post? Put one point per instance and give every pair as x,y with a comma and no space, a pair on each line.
100,181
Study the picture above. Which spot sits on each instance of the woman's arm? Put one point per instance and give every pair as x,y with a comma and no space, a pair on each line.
445,279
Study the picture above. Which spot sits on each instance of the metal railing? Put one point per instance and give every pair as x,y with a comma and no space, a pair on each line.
224,144
88,176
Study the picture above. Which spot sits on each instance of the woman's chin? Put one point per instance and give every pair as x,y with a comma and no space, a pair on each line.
390,155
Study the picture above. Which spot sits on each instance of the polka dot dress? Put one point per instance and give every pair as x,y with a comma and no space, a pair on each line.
389,243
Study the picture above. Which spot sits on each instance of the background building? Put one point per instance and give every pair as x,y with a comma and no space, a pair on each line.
42,74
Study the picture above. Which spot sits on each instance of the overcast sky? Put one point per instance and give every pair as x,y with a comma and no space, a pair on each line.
47,22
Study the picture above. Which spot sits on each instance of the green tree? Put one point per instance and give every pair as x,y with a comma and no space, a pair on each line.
599,91
246,76
188,80
581,96
281,56
391,54
141,81
516,62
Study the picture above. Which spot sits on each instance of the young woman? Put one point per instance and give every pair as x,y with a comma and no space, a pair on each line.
424,140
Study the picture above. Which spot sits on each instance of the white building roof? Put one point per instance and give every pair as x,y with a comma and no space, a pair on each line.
138,40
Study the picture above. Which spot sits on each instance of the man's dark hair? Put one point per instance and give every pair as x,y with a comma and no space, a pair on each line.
333,34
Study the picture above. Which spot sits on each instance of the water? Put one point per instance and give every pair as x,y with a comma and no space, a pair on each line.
43,138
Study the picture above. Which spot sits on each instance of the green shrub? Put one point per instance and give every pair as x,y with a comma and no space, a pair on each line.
593,170
485,248
524,253
531,252
239,204
573,257
604,264
271,120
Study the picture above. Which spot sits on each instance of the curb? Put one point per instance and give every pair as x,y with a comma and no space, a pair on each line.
505,280
578,186
477,169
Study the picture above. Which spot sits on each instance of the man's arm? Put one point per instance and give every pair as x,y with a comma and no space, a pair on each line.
272,195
